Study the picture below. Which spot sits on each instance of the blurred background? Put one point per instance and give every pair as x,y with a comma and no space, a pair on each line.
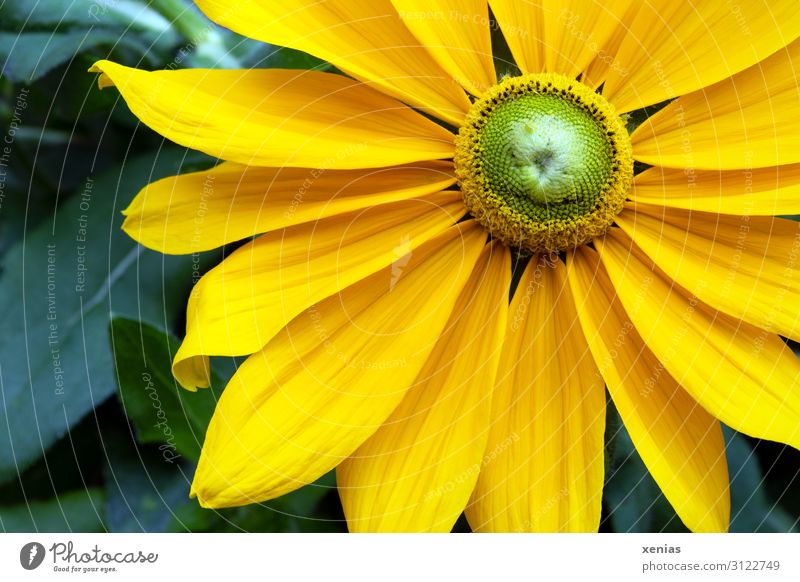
94,433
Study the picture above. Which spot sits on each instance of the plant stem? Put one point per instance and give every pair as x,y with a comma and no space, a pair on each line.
184,18
208,43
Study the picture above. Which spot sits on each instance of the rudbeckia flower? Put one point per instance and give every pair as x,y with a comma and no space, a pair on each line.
448,262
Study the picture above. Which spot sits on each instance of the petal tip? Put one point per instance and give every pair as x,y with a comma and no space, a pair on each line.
192,371
204,497
104,80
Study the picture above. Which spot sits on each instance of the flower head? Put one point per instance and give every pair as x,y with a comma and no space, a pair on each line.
628,168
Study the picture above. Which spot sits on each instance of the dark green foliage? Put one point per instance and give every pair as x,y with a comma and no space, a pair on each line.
94,433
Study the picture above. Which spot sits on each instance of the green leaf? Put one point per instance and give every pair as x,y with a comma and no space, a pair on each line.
77,511
40,36
52,14
126,14
42,13
751,508
73,462
159,409
31,55
144,489
59,286
631,496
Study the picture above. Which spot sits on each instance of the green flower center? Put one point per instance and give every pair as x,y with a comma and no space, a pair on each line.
544,162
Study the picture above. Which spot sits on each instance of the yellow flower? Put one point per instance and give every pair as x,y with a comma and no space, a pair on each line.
375,309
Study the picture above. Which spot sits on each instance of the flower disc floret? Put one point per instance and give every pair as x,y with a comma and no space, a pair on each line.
544,162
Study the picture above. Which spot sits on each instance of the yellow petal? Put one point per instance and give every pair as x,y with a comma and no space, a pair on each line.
747,121
751,192
679,442
742,265
418,470
745,376
456,33
204,210
330,379
275,117
365,39
673,48
559,36
238,306
543,465
605,61
522,24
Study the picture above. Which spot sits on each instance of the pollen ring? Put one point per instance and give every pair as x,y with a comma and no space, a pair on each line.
544,162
